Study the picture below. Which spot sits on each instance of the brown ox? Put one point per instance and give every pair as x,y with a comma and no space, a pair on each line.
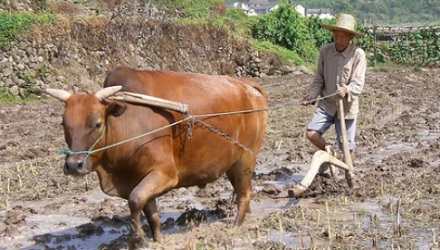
141,170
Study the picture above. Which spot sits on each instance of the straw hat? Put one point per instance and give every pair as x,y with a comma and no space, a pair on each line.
345,22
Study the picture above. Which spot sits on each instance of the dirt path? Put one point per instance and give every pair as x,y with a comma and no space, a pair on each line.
395,205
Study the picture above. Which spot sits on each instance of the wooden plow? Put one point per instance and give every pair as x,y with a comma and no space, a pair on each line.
322,156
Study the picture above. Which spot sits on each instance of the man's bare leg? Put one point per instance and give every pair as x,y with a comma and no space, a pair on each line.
316,139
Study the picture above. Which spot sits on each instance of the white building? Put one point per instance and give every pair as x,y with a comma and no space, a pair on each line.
256,7
261,7
301,10
320,13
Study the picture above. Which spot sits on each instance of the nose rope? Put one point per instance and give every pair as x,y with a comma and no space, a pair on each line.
69,152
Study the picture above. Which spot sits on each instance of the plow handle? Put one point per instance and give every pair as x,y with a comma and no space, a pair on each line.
345,148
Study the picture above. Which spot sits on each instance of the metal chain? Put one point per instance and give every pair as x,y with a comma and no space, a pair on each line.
217,131
191,121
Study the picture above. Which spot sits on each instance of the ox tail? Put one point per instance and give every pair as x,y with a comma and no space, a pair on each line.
255,85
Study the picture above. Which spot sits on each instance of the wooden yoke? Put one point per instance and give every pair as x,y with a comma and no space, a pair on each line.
150,100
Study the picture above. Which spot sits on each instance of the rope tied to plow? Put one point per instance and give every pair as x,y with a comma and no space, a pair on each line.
193,120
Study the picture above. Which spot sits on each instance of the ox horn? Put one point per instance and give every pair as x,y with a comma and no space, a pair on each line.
106,92
59,94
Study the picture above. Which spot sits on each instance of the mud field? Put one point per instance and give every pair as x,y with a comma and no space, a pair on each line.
394,206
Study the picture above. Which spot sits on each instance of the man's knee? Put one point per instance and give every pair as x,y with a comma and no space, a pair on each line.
312,135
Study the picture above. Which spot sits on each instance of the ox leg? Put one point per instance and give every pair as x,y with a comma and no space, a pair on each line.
151,186
240,176
153,218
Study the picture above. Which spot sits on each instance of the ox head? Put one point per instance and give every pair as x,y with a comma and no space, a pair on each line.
84,122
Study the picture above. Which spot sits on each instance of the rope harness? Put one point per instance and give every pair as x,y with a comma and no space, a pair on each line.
192,120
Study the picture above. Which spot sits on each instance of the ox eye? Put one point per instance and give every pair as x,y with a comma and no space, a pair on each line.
98,125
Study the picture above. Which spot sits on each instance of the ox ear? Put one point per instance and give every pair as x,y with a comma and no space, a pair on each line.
107,92
115,108
59,94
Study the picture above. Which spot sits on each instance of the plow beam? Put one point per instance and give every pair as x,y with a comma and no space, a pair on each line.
319,157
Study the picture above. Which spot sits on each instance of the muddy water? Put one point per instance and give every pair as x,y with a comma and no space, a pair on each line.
58,230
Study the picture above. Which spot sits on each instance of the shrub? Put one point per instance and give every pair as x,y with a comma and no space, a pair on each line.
12,25
286,56
283,26
316,33
194,9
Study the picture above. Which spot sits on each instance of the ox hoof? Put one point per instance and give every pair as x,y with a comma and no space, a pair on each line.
158,238
137,242
296,192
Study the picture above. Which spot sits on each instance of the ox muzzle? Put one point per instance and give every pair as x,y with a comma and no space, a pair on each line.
78,164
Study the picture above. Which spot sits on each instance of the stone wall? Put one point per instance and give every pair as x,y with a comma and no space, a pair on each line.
80,51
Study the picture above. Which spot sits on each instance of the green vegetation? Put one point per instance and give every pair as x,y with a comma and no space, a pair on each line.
383,12
12,25
301,35
192,9
237,21
418,47
5,97
286,28
292,37
42,4
272,28
269,33
377,12
287,56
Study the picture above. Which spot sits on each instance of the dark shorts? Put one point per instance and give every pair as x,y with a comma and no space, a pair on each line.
321,122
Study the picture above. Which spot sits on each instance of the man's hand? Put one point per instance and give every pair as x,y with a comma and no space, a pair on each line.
307,100
342,91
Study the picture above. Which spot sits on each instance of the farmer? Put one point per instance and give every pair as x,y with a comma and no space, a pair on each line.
341,68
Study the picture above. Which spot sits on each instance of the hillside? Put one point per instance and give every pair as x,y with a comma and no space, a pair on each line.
84,44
